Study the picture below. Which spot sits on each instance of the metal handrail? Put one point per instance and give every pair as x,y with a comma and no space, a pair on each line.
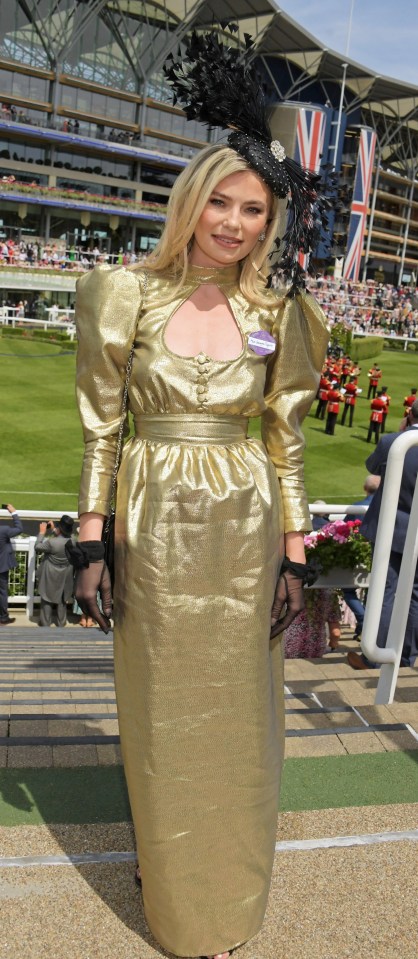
390,656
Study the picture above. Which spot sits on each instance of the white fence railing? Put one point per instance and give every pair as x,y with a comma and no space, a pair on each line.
390,656
60,326
26,546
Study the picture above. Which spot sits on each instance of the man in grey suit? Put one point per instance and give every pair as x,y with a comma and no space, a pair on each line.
55,575
7,562
376,463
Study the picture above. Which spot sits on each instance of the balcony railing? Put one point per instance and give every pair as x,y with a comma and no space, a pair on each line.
79,199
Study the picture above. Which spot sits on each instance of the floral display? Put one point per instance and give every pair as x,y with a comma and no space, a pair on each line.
11,185
338,544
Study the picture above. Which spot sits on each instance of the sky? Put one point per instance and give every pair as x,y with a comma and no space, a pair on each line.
384,33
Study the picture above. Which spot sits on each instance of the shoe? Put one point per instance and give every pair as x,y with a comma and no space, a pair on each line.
355,660
6,622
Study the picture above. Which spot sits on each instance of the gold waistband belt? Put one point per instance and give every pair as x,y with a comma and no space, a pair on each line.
191,428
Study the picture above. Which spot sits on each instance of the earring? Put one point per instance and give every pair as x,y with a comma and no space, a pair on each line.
262,237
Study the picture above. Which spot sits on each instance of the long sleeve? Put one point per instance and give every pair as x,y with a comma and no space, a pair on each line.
17,528
107,307
292,382
379,457
43,543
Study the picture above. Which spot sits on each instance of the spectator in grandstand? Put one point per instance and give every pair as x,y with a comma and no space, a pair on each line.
7,562
377,464
55,574
364,307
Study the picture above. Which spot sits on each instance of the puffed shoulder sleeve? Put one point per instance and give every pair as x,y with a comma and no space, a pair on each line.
108,302
292,381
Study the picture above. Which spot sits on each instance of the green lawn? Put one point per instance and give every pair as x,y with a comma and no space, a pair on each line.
41,436
335,465
40,432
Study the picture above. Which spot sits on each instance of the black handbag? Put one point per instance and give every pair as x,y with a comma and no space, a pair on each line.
108,540
108,534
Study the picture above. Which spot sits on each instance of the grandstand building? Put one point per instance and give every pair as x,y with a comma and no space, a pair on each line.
90,143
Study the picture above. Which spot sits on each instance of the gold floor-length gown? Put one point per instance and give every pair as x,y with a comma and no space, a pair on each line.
200,518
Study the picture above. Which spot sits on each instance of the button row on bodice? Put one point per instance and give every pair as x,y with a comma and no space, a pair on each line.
203,367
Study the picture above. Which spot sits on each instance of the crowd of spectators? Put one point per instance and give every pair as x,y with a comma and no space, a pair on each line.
369,307
59,256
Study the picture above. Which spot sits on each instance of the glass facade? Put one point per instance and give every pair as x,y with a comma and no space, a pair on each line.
91,72
20,85
87,101
83,97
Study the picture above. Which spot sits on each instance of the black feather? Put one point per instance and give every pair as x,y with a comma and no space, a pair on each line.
219,85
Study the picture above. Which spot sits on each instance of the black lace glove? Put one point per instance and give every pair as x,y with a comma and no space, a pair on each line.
289,594
91,577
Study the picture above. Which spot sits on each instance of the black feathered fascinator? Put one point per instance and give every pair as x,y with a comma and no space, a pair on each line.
220,86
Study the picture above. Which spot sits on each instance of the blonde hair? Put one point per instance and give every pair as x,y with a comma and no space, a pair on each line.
188,199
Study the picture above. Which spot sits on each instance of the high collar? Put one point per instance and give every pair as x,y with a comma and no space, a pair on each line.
220,276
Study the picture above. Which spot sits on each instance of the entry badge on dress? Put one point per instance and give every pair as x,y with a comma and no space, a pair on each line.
262,342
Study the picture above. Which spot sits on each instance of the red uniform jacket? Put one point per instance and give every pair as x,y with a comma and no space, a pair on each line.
350,394
374,376
334,397
323,388
377,407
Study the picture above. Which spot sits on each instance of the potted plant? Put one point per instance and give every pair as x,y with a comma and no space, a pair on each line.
342,556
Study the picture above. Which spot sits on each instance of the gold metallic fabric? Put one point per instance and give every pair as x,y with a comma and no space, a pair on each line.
199,534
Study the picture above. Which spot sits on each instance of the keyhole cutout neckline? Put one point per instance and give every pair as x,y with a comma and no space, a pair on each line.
201,276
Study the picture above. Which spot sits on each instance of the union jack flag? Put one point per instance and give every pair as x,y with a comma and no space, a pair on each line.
360,204
310,133
310,138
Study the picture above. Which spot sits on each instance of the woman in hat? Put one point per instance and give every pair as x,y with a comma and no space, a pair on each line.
55,573
204,516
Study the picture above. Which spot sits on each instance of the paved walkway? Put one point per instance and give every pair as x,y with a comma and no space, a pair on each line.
346,856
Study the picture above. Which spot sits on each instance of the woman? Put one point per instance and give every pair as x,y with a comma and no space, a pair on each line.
54,573
306,637
200,529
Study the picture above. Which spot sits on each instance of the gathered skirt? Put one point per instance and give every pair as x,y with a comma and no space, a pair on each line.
199,684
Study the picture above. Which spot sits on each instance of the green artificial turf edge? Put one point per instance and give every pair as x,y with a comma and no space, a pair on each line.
93,794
